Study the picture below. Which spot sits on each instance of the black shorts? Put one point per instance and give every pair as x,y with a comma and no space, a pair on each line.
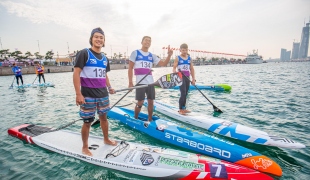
149,91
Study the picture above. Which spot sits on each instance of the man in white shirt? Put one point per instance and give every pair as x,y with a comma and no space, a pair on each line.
140,62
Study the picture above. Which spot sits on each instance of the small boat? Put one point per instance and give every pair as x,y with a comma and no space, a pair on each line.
134,158
254,58
216,87
225,127
196,141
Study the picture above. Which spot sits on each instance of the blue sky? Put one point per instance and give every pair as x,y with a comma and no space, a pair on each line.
228,26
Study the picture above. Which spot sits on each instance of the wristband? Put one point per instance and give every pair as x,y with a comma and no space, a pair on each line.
109,87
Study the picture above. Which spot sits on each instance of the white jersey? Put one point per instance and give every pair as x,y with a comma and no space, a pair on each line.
143,63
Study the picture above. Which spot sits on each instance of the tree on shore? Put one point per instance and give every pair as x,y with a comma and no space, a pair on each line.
120,55
49,55
38,56
3,54
28,54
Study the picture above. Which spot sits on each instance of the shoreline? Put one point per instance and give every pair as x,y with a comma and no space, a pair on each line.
7,71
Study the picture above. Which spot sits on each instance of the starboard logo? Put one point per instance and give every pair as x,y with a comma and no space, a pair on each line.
105,63
181,61
150,58
246,155
146,159
92,61
140,57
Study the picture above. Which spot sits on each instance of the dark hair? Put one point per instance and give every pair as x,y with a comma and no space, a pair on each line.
99,30
145,37
185,46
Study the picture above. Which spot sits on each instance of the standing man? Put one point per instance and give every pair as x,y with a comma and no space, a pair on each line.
141,61
40,72
92,87
184,63
18,73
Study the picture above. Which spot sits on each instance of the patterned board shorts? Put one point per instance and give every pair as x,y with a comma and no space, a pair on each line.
88,110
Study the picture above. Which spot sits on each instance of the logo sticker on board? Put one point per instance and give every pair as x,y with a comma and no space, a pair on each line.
218,171
161,127
261,163
146,159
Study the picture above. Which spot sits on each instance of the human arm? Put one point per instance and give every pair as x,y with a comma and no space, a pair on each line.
166,61
175,64
81,58
111,90
132,60
130,74
192,74
79,98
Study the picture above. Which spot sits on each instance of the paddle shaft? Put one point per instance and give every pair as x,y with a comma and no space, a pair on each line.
12,82
96,122
214,107
130,91
137,87
35,79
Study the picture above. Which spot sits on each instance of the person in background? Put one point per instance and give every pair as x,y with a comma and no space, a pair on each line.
141,61
92,87
18,73
184,64
40,72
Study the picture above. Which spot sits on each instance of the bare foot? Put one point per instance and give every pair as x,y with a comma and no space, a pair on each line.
187,111
109,142
86,151
181,111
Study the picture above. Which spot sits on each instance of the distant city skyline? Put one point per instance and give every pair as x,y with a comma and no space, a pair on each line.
228,26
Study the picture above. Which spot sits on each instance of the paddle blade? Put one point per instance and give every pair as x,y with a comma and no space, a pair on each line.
216,109
97,122
170,80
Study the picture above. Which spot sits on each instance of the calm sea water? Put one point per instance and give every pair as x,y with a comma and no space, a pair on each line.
273,97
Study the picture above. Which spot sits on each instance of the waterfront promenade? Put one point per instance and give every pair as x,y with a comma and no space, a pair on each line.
6,71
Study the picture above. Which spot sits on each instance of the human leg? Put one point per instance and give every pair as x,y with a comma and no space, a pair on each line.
39,78
21,79
103,106
87,113
150,100
140,96
43,78
85,135
183,91
17,77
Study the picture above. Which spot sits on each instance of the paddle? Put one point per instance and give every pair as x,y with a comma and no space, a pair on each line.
216,109
166,82
12,83
98,121
35,79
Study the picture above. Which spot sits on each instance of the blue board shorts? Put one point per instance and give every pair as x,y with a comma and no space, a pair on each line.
88,110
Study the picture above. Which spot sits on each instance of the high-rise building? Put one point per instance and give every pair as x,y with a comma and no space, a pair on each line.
304,42
287,56
283,54
295,50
